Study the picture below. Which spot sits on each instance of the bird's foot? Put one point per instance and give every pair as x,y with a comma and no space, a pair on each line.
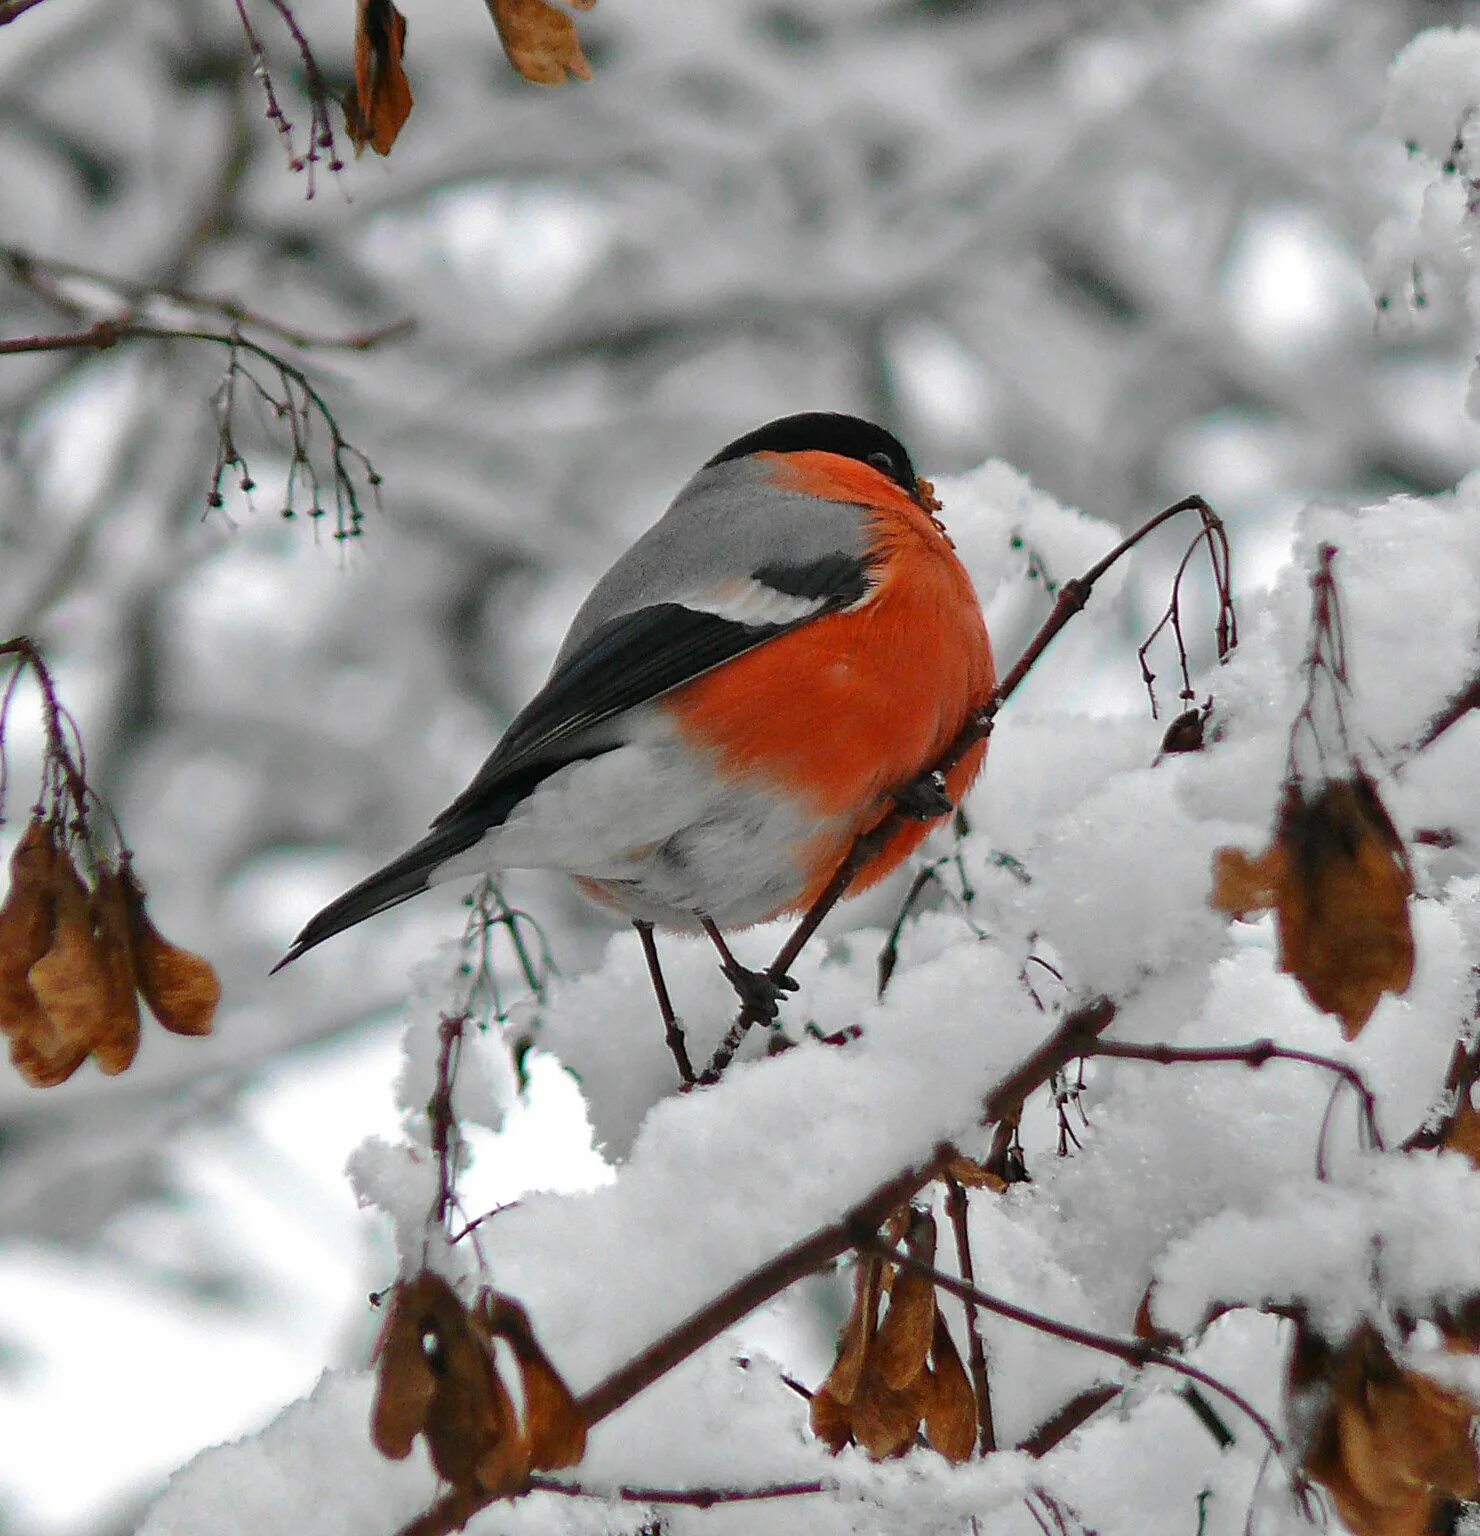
759,992
924,798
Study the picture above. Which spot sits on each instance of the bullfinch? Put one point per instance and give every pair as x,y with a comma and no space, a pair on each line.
740,697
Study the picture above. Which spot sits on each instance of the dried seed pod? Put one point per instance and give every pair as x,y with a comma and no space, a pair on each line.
181,989
885,1419
71,980
1343,913
1338,878
404,1382
950,1409
858,1331
832,1421
903,1340
554,1429
468,1417
117,1038
26,921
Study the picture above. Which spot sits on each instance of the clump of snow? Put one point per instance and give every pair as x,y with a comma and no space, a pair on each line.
1396,1234
1434,89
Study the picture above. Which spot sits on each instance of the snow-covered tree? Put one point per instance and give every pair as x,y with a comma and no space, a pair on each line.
1120,247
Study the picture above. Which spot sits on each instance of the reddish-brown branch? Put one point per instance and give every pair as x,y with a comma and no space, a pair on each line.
859,1224
986,1429
297,411
694,1498
1464,1071
1255,1054
48,277
60,757
1453,712
1080,1408
1072,597
1134,1352
10,9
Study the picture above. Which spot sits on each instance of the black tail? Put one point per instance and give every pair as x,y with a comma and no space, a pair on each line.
400,880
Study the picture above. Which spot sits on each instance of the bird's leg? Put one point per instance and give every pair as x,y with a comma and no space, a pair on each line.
672,1029
760,992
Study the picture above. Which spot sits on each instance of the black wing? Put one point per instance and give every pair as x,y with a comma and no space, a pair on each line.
632,660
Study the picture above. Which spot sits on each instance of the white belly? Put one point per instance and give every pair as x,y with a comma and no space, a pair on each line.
662,838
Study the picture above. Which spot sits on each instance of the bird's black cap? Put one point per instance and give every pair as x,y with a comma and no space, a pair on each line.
827,432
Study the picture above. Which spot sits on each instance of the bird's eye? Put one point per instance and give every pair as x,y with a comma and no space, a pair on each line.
883,461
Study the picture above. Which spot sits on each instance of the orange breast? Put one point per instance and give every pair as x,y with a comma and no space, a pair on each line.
848,708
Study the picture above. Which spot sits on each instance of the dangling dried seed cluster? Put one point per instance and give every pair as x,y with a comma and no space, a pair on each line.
894,1375
1388,1444
74,961
438,1377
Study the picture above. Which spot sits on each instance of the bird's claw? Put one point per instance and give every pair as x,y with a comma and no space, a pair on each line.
760,993
924,798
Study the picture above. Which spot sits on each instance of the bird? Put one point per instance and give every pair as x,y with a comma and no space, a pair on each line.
742,695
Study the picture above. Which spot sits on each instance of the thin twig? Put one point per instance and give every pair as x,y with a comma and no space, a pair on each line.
801,1259
1134,1352
694,1498
297,412
1078,1410
41,274
976,1349
1453,712
1254,1054
1072,597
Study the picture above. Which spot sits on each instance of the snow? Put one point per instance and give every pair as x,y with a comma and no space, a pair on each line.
1068,241
1208,1185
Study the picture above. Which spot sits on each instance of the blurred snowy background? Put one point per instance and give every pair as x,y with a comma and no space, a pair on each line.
1120,245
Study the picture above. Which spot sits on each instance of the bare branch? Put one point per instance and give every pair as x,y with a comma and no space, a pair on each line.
856,1227
1134,1352
298,406
10,9
1255,1054
1072,597
986,1437
693,1498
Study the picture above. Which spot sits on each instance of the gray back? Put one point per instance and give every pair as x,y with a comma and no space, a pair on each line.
726,523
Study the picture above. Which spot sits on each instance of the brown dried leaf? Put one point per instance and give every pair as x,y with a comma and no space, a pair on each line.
1343,909
1338,878
181,989
554,1428
378,106
970,1174
1463,1135
71,980
1242,885
404,1382
886,1419
858,1332
950,1409
26,921
1390,1443
832,1421
116,1041
540,40
903,1340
